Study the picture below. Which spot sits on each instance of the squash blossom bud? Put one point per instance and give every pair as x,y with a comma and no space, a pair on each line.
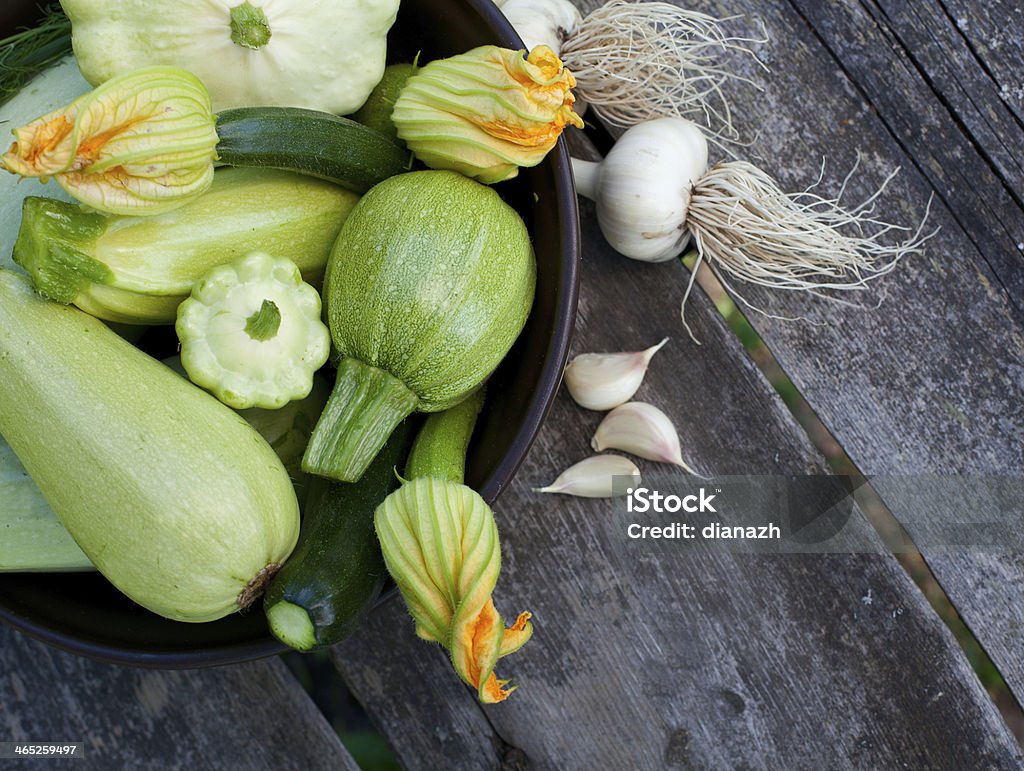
486,112
141,143
440,545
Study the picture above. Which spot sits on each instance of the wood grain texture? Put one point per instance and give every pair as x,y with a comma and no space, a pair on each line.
661,657
252,716
933,380
951,49
913,67
992,31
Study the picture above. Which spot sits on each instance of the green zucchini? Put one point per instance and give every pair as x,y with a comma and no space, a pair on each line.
31,537
336,572
428,286
137,270
441,445
308,142
180,503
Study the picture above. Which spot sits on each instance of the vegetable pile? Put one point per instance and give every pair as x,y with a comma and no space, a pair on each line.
329,278
268,234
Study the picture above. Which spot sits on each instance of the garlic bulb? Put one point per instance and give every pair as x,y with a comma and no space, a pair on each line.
641,429
542,22
642,188
594,477
654,192
600,381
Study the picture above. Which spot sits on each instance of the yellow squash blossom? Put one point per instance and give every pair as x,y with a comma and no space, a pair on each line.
440,545
486,112
141,143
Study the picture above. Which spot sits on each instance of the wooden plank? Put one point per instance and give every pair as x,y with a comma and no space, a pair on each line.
667,658
931,382
992,30
944,48
251,715
413,696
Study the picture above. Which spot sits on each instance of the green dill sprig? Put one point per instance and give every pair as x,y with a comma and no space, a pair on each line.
25,53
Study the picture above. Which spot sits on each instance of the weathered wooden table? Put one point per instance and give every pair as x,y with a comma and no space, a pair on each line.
680,660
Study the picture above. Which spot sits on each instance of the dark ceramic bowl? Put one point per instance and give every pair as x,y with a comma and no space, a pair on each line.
84,614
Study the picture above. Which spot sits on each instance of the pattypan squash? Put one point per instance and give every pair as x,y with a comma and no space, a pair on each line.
297,53
251,333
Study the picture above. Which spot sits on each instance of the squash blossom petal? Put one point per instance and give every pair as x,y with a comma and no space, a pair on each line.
486,112
440,545
141,143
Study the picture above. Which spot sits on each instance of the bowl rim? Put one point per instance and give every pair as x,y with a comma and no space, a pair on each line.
567,296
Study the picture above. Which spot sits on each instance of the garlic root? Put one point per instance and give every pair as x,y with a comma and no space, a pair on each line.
751,230
634,61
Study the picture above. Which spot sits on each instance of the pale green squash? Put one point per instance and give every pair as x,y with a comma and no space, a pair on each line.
321,54
31,536
173,496
138,270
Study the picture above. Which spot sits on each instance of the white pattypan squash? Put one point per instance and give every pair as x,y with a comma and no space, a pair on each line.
320,54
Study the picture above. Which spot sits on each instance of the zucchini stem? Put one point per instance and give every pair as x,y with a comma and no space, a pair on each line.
367,404
257,585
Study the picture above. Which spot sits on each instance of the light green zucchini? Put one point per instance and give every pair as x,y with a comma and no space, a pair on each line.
137,270
173,496
31,536
32,539
287,429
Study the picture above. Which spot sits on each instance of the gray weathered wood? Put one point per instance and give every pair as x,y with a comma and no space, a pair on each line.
253,716
931,382
992,30
655,656
415,699
944,50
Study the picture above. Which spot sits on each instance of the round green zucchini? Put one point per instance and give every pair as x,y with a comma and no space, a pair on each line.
428,286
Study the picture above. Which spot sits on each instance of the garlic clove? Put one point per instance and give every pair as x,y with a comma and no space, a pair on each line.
600,381
594,477
641,429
